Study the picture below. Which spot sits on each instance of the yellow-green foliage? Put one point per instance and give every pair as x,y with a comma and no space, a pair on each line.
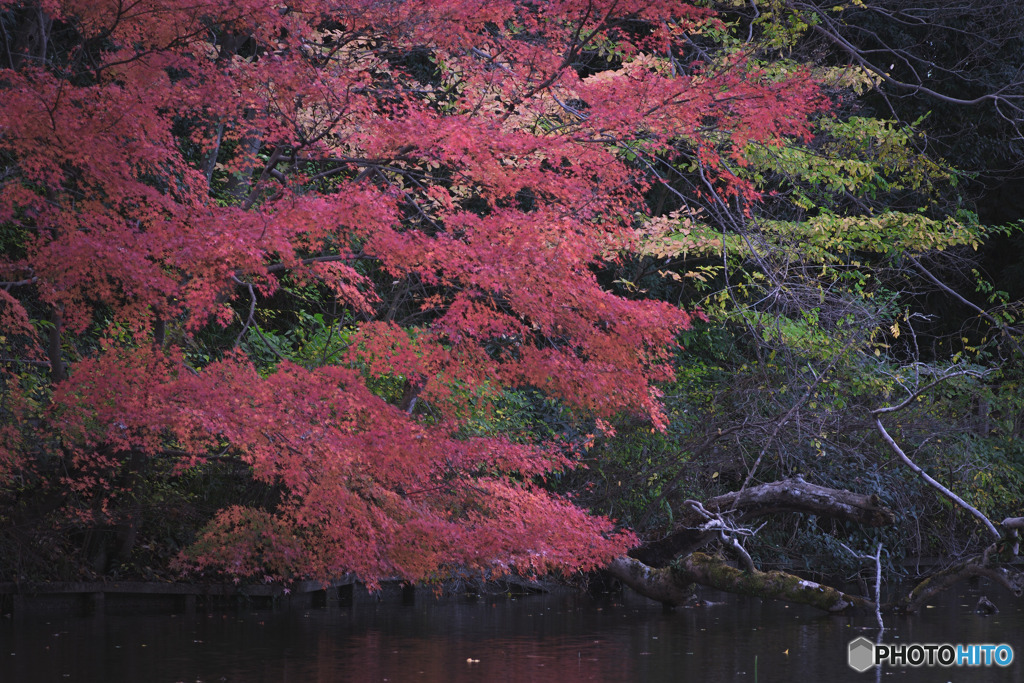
858,155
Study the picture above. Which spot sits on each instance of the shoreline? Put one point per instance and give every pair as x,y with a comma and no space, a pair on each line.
99,598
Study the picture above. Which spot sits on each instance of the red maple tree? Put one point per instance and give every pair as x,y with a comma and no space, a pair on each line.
169,165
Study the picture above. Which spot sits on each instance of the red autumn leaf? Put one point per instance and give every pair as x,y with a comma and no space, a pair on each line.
170,165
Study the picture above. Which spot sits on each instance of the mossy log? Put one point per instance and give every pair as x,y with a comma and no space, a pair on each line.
672,585
659,584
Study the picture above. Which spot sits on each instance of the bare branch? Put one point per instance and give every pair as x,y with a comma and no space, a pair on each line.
787,495
932,482
919,392
19,283
984,314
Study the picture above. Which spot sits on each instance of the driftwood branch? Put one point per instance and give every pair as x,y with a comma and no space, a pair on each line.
787,495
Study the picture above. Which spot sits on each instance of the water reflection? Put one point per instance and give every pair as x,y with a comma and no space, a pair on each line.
561,639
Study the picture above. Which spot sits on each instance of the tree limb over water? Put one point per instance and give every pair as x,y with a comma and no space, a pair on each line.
787,495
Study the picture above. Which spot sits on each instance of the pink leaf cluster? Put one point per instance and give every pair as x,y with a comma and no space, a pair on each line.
495,188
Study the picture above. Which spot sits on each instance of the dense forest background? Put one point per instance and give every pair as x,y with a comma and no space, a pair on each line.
425,292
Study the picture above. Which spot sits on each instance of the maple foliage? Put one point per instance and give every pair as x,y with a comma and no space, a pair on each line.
452,175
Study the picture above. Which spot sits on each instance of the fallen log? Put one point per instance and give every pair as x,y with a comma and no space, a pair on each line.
674,584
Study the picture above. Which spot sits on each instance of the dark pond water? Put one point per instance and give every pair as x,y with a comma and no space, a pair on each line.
563,638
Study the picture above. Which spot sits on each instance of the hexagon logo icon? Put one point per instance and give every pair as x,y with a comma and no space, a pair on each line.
861,654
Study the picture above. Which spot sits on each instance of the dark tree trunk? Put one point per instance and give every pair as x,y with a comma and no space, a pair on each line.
57,373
